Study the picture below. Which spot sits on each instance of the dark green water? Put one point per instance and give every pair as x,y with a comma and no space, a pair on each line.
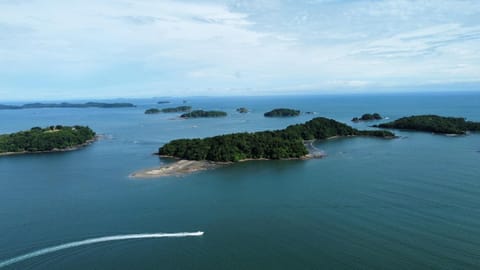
409,203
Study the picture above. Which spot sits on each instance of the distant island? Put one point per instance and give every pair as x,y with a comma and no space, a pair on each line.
66,105
50,139
242,110
282,112
163,102
9,107
176,109
433,123
203,114
168,110
368,117
152,111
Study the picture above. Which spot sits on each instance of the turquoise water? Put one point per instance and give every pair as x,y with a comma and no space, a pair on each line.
408,203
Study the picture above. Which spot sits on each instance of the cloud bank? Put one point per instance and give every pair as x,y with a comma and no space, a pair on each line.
60,49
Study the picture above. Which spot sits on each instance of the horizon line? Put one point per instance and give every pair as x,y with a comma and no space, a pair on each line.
88,99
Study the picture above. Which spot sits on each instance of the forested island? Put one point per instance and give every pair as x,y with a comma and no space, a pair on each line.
368,117
176,109
152,111
242,110
168,110
66,105
280,144
203,114
433,123
282,112
50,139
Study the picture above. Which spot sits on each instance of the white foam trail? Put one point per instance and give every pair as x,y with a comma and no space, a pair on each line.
90,241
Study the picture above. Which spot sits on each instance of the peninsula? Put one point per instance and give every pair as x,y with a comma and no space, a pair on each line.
203,114
282,112
66,105
368,117
51,139
433,123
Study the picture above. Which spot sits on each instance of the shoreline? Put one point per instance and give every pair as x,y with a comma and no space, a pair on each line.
55,150
182,167
178,168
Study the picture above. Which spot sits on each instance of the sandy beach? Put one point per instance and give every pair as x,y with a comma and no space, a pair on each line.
177,168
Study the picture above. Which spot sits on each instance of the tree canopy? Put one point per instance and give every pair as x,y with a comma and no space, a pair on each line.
45,139
433,123
278,144
282,112
368,117
202,113
152,111
177,109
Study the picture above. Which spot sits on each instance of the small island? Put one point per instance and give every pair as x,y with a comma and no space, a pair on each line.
203,114
368,117
66,105
152,111
8,107
242,110
168,110
433,123
163,102
282,112
176,109
41,140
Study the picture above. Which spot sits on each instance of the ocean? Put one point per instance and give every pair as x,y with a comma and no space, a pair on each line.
406,203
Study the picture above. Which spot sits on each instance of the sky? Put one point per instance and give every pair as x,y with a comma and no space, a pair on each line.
57,49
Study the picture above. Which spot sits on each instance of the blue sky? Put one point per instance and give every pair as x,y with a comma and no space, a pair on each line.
57,49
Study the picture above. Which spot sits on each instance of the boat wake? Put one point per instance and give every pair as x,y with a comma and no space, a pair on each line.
90,241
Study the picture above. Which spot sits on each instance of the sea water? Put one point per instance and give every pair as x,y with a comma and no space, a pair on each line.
407,203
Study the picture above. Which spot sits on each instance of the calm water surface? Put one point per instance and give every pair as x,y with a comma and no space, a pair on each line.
408,203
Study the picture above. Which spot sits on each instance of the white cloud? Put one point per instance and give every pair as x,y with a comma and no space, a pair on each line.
422,41
147,44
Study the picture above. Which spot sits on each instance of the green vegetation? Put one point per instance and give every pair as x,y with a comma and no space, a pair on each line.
282,112
46,139
177,109
279,144
434,123
168,110
368,117
242,110
67,105
152,111
201,113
